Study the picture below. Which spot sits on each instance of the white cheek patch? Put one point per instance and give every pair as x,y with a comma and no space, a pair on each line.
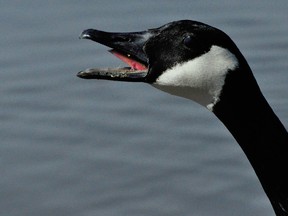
200,79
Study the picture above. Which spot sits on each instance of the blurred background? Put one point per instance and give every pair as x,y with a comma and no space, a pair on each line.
81,148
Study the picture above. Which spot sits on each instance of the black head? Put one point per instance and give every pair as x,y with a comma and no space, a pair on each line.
158,49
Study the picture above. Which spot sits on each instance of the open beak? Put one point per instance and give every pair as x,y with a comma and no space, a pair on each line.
126,46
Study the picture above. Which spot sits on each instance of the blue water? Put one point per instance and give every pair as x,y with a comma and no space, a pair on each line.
75,147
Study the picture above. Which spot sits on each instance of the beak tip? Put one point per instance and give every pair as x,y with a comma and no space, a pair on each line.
81,74
86,34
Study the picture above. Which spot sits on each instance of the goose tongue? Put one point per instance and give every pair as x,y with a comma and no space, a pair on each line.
128,60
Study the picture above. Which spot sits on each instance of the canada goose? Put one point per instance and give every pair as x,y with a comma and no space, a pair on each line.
199,62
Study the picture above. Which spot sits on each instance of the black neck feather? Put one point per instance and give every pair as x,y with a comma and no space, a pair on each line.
247,115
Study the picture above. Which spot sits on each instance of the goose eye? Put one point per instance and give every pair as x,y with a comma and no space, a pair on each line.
188,41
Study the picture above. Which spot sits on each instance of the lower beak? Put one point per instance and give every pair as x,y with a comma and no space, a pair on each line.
126,46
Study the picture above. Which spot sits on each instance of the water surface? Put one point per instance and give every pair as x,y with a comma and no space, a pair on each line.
75,147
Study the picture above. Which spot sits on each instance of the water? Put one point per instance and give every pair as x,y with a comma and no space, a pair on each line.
75,147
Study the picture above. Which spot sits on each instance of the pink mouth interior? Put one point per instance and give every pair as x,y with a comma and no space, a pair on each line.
131,62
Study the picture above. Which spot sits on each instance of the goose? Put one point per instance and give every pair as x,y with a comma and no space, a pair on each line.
199,62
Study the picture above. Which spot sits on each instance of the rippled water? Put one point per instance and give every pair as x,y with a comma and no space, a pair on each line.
76,147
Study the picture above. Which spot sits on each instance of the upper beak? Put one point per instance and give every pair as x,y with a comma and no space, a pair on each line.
127,46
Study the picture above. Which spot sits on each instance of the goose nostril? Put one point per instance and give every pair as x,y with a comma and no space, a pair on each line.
122,39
